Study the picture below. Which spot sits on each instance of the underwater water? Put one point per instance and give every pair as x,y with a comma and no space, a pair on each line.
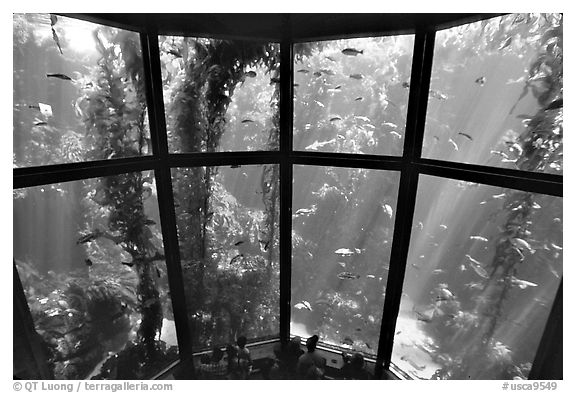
484,262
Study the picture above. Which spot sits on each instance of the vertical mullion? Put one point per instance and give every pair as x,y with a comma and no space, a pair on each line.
416,116
159,139
286,120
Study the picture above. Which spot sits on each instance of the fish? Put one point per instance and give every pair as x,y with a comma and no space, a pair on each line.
56,40
330,58
175,52
236,258
367,345
438,95
556,104
370,276
415,266
295,85
406,85
506,43
479,270
396,134
45,109
319,104
369,126
424,317
345,252
40,123
316,144
362,118
481,238
499,153
388,124
88,262
420,225
335,118
348,276
303,71
522,244
356,76
59,76
443,226
303,305
53,19
347,341
342,137
481,80
250,74
86,238
317,73
474,261
358,98
453,144
522,284
352,52
555,246
499,196
388,209
238,243
158,272
437,271
247,121
327,71
465,135
235,166
129,264
398,332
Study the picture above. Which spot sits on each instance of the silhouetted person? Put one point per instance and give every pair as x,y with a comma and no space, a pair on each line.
311,365
244,359
354,367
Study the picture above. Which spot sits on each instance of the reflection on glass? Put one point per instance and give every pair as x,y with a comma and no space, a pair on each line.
484,266
496,94
90,257
220,95
78,91
343,222
349,95
227,221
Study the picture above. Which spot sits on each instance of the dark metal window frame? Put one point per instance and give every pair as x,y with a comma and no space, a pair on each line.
410,165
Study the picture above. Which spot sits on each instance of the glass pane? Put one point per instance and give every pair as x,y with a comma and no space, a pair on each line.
90,257
483,268
496,94
343,221
350,95
228,233
79,92
220,95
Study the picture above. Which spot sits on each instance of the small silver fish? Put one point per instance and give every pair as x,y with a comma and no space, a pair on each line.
335,118
348,276
465,135
481,238
250,74
59,76
358,98
356,76
481,80
352,52
247,121
303,71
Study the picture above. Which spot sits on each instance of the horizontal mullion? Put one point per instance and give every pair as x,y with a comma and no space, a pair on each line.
347,160
223,159
38,176
521,180
120,21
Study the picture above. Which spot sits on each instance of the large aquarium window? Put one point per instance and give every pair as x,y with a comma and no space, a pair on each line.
481,277
351,96
343,224
227,221
90,257
78,92
220,95
496,93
